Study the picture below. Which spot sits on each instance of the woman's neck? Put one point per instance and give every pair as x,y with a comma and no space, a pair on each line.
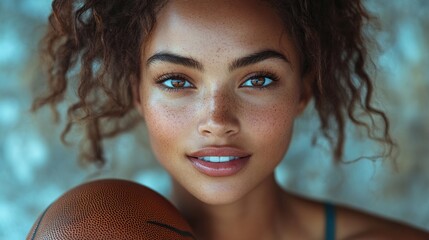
261,214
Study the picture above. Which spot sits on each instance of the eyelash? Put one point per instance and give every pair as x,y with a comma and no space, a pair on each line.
173,76
262,74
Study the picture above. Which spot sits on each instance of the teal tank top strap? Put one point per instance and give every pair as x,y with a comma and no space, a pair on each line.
329,221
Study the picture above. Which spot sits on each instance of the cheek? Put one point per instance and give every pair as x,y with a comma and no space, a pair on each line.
271,119
167,125
272,124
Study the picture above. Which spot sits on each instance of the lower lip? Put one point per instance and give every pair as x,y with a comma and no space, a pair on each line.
219,169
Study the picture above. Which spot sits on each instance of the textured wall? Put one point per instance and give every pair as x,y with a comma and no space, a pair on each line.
35,168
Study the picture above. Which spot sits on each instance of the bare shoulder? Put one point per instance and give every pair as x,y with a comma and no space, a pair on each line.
308,213
354,225
350,224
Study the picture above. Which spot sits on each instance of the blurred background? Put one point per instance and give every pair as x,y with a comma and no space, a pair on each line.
36,168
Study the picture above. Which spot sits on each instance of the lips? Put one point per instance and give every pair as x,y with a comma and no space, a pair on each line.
218,158
219,161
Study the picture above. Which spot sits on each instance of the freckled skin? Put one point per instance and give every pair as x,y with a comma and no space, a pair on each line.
218,110
258,121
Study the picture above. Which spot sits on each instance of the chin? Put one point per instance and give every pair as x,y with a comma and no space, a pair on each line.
215,196
216,200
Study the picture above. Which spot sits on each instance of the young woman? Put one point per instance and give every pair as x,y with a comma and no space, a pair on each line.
219,85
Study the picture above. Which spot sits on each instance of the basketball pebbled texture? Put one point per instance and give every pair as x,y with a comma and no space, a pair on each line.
111,209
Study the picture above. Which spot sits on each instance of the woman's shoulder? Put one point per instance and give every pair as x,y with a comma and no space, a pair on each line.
352,224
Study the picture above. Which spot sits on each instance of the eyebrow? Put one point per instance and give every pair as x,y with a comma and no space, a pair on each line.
238,63
257,57
176,59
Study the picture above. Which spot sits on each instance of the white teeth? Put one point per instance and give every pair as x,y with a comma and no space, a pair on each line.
218,158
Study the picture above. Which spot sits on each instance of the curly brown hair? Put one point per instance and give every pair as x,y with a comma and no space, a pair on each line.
95,45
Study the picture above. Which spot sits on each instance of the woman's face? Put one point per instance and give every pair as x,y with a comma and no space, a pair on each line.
220,89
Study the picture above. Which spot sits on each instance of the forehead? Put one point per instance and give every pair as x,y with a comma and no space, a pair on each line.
218,27
220,12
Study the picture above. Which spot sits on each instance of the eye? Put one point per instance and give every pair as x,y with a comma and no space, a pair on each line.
259,81
174,82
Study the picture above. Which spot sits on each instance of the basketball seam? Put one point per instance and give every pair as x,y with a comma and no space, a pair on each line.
181,232
38,223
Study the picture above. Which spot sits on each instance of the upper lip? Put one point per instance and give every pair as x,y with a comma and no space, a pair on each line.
219,151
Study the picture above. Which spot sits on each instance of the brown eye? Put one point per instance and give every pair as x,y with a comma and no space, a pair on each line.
258,82
175,82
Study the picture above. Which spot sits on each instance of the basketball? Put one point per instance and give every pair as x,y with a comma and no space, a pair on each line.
111,209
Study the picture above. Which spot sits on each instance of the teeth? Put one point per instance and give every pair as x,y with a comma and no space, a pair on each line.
218,158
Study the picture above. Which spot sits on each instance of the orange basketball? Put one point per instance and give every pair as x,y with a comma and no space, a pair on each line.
111,209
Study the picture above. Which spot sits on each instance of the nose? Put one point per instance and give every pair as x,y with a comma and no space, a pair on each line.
219,115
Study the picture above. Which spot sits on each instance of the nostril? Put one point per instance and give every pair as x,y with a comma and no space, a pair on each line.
218,130
229,131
